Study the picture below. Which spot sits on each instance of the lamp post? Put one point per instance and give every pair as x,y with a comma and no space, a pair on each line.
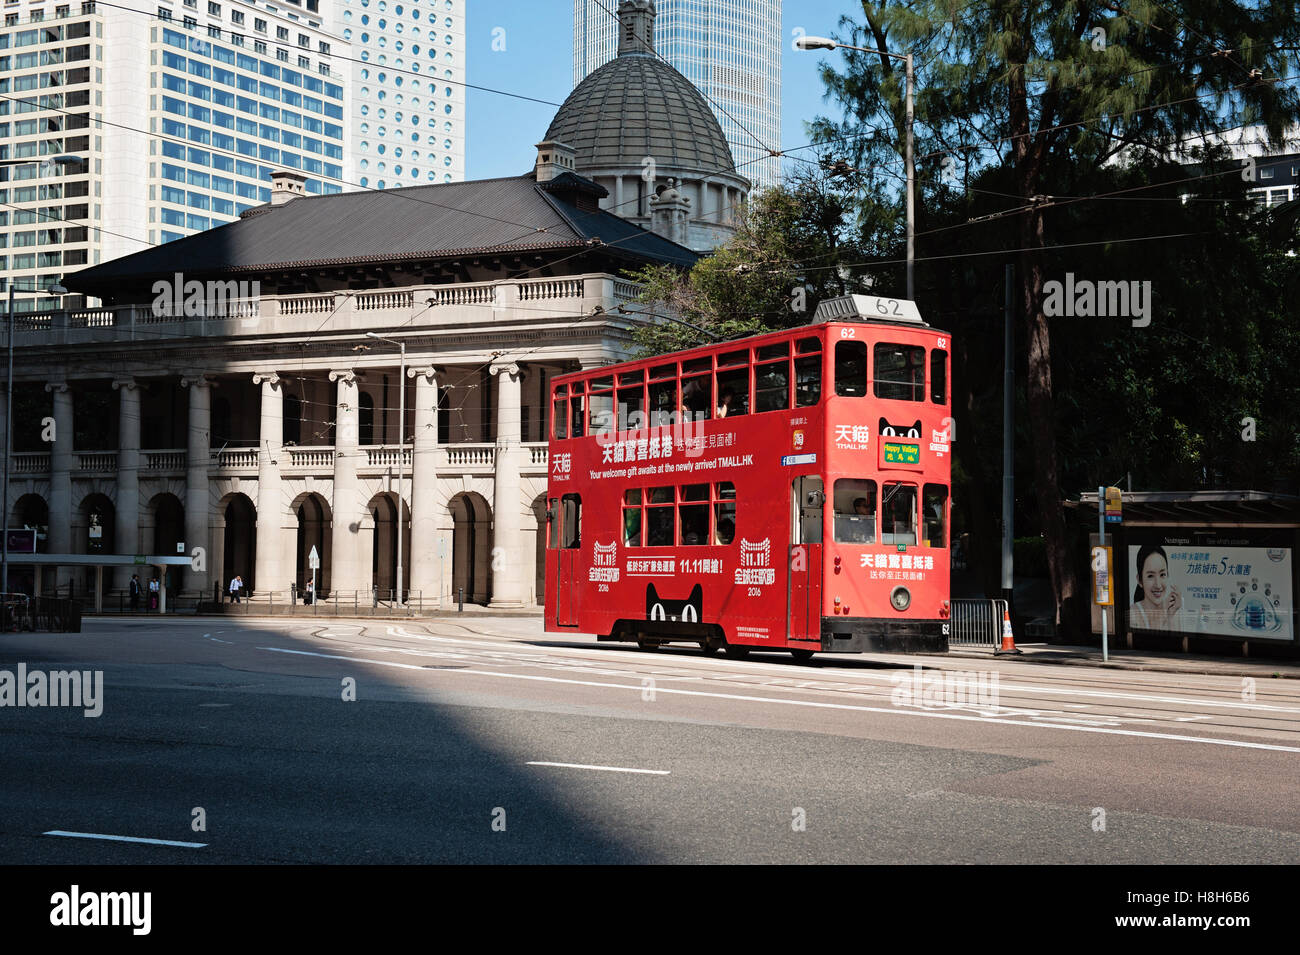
9,427
824,43
401,451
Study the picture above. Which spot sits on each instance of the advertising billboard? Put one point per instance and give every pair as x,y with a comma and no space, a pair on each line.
1211,587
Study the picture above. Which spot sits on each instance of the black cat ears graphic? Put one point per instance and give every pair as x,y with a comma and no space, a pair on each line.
888,430
689,610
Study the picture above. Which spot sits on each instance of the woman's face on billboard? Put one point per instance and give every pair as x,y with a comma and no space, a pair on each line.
1155,579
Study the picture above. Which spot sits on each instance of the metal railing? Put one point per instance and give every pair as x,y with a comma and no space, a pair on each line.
352,603
54,614
977,623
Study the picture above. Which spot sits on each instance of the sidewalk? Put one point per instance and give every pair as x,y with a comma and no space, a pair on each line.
1152,660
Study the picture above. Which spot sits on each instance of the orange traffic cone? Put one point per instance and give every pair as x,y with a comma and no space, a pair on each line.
1008,638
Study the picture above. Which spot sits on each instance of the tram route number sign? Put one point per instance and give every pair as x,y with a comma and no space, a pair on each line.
898,452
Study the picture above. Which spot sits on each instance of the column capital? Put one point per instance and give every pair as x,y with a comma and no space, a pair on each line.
266,376
126,384
198,379
346,375
598,362
57,387
506,366
428,372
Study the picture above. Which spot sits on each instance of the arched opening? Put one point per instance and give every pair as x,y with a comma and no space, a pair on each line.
30,513
314,525
539,551
471,547
366,419
239,548
383,557
168,531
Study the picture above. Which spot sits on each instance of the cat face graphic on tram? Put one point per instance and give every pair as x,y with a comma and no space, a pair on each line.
690,610
888,430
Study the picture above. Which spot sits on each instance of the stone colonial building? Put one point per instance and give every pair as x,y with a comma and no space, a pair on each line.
226,395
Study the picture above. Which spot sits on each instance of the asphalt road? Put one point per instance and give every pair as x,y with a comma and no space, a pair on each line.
489,741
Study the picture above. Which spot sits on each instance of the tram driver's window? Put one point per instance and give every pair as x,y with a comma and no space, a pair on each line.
934,511
659,517
898,514
851,369
855,511
553,519
632,518
807,372
571,521
900,372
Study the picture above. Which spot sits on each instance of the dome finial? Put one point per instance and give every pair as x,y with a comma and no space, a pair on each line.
636,26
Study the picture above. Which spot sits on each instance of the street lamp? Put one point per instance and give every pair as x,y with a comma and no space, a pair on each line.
9,427
824,43
401,451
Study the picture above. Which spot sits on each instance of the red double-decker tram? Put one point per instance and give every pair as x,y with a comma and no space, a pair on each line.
788,491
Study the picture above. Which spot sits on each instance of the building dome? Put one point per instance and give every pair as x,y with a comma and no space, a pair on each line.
639,128
635,106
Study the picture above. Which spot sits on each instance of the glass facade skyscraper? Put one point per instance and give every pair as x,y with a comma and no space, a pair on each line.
729,49
166,122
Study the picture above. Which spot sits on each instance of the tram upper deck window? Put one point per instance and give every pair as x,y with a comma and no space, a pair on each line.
733,385
631,401
663,394
855,511
934,511
600,404
807,372
772,378
851,369
697,389
938,376
898,514
900,372
577,413
559,416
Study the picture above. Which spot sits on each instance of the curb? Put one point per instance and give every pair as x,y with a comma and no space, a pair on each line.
1152,667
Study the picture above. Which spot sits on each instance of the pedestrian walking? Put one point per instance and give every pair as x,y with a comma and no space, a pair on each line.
134,590
236,583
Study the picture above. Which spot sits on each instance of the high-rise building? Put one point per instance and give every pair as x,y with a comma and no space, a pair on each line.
121,129
408,104
729,49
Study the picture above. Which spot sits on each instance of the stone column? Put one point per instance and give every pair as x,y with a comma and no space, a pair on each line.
62,460
424,559
346,565
127,531
197,465
508,585
267,564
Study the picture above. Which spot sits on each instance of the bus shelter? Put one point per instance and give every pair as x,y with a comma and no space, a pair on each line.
1201,571
99,562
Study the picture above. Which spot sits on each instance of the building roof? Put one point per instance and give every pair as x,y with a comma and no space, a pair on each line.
487,216
638,106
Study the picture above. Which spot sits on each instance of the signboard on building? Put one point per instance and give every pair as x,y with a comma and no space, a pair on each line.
1211,586
22,541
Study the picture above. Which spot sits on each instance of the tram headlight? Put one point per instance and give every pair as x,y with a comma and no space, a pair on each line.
901,598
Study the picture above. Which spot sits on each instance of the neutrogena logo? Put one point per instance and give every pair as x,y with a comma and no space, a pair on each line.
74,907
76,688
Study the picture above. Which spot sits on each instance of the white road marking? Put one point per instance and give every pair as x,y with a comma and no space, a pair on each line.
152,842
603,769
894,711
208,636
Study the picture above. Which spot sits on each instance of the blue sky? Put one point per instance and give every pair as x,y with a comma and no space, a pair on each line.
538,61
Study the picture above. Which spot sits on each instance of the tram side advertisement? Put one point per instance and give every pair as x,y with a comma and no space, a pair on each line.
1224,588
